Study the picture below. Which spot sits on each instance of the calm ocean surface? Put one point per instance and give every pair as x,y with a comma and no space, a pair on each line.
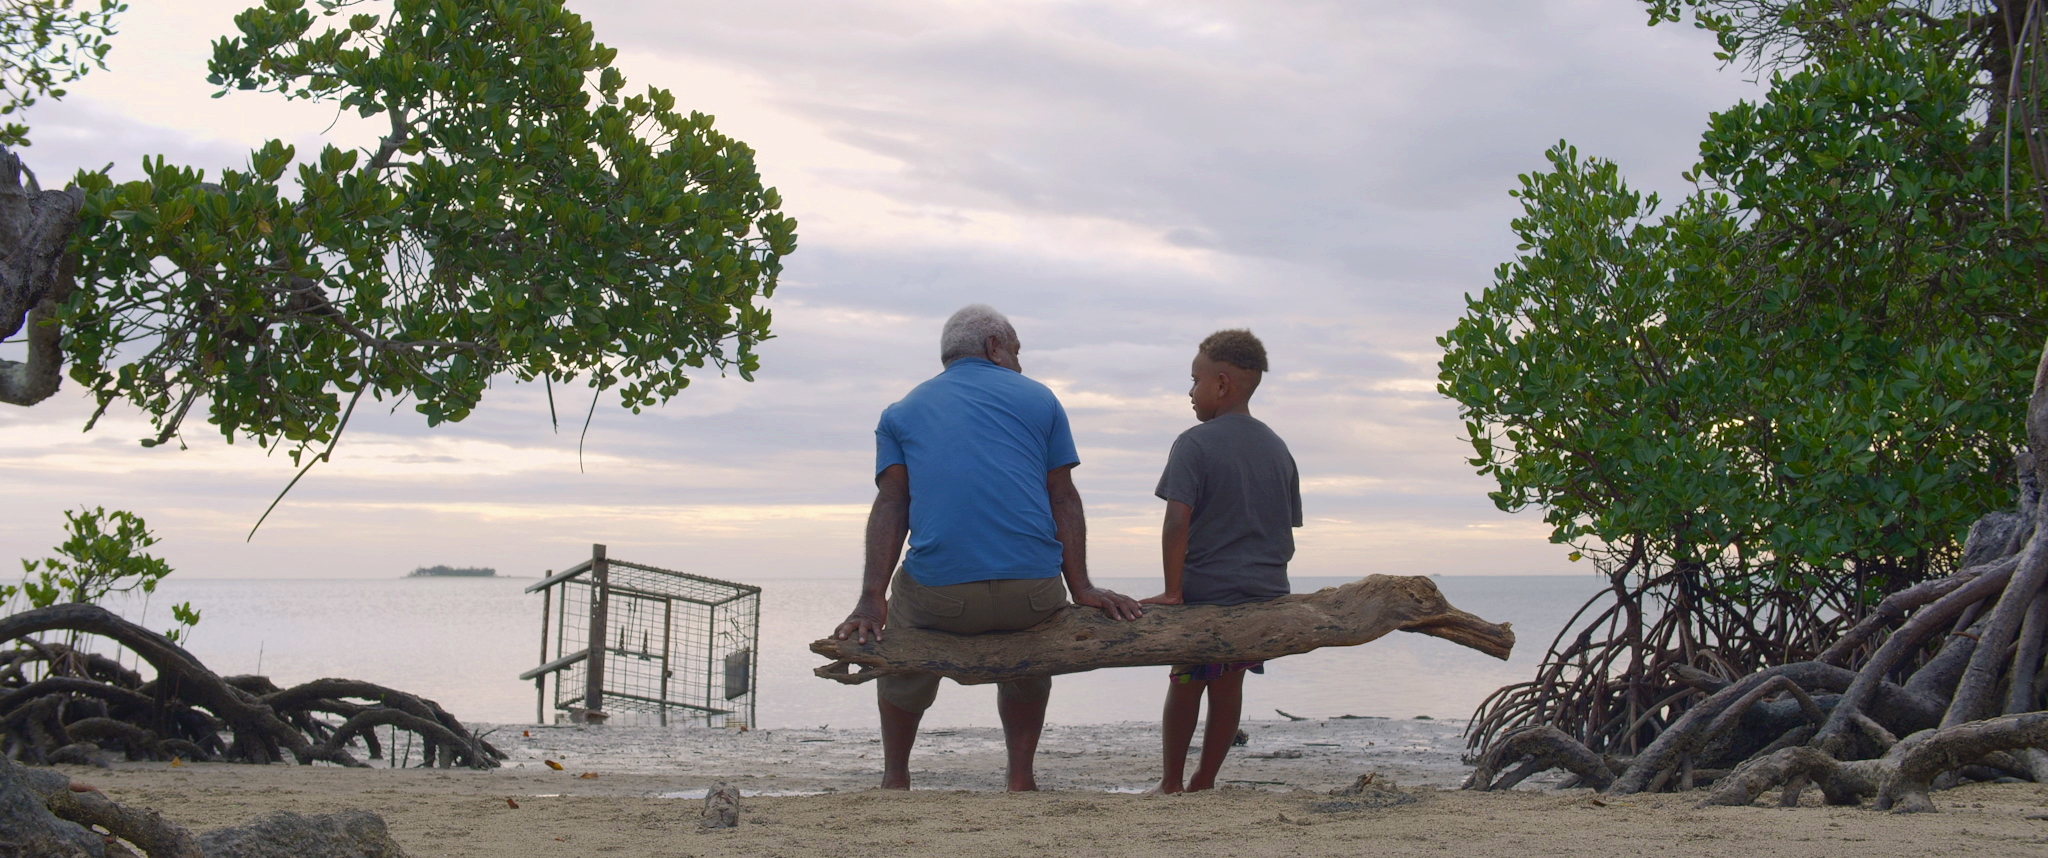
464,642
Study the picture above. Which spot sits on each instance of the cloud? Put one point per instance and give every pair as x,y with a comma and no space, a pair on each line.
1121,177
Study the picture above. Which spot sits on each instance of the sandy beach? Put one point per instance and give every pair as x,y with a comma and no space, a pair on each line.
636,791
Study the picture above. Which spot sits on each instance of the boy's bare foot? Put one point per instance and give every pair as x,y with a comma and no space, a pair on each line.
1026,783
893,781
1199,783
1163,788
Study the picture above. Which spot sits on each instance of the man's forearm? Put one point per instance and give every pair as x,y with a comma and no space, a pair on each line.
1070,526
1071,529
888,524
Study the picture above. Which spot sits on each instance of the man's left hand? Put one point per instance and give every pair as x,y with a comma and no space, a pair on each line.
1116,605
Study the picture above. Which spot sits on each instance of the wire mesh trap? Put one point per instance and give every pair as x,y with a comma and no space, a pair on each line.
676,645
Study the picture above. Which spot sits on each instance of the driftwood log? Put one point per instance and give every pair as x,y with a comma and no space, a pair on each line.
1080,639
1954,666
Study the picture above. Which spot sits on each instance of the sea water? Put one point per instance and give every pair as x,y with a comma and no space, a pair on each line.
464,641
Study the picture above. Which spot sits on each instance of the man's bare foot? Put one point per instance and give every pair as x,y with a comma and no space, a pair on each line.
1026,783
896,781
1164,788
1199,783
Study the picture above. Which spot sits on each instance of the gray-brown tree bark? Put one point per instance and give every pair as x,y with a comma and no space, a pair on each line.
43,816
35,278
186,708
1080,639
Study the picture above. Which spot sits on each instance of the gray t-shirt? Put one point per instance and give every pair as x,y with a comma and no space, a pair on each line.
1241,482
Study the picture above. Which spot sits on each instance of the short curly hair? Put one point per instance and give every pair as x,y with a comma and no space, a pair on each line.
967,332
1236,347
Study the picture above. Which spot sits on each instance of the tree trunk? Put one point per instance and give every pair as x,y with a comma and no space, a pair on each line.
1081,639
35,278
1975,695
1925,623
2021,695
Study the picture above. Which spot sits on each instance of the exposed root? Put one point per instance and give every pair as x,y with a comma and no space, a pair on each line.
1919,758
53,698
1901,779
1540,749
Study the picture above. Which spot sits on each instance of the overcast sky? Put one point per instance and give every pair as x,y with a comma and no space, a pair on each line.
1121,178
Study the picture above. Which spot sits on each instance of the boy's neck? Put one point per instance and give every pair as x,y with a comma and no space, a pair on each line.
1229,408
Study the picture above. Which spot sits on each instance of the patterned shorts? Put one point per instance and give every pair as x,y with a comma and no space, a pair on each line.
1187,673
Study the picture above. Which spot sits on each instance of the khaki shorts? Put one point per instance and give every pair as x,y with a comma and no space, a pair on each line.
968,609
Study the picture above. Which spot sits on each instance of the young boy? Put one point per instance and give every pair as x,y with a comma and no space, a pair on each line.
1232,500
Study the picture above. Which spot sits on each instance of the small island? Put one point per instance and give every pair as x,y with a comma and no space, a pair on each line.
453,572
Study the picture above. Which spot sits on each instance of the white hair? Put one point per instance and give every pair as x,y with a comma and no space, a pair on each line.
967,332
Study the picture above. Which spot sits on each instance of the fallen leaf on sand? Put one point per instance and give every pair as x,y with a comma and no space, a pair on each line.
553,765
588,776
527,733
1596,802
177,761
514,804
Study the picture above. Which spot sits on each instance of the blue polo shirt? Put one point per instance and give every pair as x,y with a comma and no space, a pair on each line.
978,441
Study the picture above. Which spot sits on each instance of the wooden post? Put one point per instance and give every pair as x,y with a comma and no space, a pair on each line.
711,665
600,597
540,683
753,658
668,610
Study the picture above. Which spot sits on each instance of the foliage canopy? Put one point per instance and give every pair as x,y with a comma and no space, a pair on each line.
1812,365
525,216
45,44
103,554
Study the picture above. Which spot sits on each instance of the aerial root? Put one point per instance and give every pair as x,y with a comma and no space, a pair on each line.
1902,778
1539,749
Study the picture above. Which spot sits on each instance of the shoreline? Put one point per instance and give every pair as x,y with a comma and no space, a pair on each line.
810,793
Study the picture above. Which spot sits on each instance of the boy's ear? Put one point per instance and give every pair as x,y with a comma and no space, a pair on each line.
1239,381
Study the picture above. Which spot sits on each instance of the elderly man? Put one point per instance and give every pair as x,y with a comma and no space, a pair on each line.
975,466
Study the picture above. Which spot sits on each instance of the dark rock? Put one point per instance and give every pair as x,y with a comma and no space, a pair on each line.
721,808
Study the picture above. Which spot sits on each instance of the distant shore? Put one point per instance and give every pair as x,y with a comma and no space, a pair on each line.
453,572
807,792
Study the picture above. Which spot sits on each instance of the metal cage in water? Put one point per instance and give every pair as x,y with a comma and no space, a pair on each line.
676,645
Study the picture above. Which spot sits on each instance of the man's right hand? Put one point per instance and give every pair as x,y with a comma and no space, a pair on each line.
865,621
1116,606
